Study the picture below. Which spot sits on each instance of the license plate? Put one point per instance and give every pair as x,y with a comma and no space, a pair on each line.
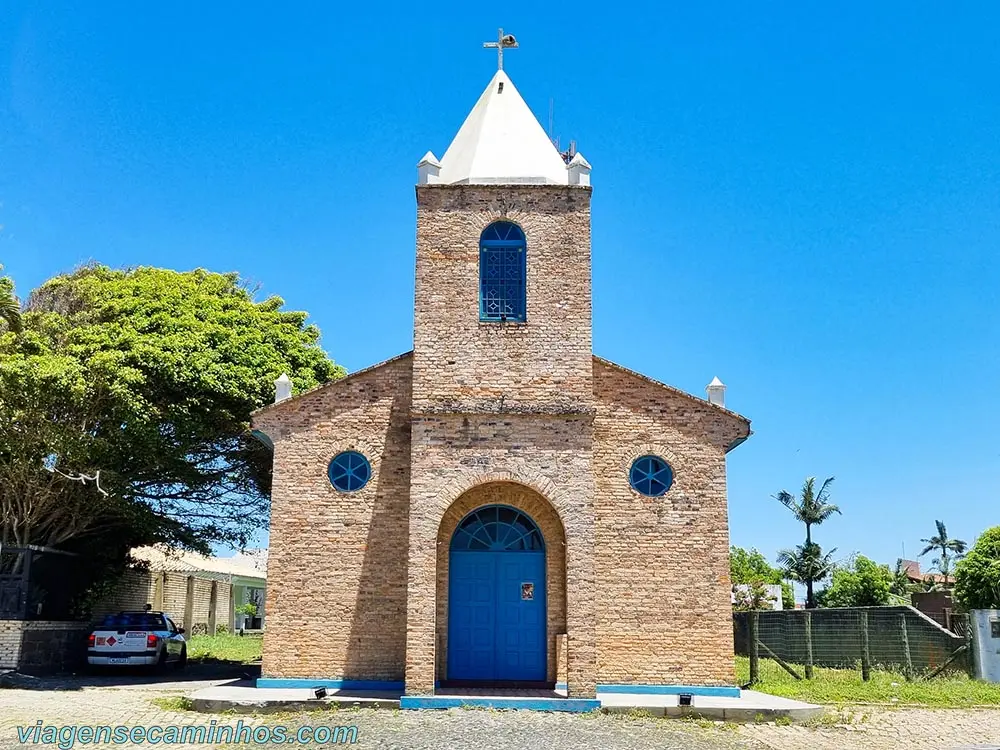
118,660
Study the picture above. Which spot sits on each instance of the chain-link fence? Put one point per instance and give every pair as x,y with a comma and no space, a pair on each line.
865,639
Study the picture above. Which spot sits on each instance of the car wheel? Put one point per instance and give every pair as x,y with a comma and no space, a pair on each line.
161,662
183,660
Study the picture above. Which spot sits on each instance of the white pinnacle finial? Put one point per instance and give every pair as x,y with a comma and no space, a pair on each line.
716,392
282,388
578,170
428,169
503,41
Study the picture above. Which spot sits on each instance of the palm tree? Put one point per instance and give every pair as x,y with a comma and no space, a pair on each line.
10,308
946,545
806,564
811,509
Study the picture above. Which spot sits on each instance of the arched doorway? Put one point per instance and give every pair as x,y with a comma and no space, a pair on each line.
496,598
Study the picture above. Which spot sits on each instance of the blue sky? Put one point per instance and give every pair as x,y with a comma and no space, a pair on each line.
803,201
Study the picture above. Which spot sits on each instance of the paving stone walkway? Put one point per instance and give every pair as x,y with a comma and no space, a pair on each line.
83,702
456,729
887,729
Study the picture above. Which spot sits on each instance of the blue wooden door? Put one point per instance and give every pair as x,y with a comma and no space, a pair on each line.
496,600
520,637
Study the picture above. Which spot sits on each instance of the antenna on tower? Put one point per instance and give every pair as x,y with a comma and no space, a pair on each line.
567,156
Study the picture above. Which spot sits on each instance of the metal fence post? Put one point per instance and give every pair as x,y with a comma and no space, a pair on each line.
908,659
753,622
866,658
809,644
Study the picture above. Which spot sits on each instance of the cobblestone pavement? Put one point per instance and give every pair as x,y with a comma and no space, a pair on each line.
84,701
384,729
886,728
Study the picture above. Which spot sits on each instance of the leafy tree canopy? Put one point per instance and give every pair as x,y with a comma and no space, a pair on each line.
125,406
750,567
859,583
977,577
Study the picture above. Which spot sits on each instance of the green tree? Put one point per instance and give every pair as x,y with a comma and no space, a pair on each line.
943,543
10,306
752,596
125,406
859,583
977,576
747,567
808,565
810,508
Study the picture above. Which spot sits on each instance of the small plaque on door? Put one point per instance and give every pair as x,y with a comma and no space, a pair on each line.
527,592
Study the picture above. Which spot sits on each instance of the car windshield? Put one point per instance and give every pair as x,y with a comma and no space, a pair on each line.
134,621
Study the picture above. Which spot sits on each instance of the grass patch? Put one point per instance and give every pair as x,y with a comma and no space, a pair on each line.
224,648
173,703
845,686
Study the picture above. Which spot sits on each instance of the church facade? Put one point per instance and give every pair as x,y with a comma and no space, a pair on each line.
499,507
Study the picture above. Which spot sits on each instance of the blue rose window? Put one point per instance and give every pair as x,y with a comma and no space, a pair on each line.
650,476
349,471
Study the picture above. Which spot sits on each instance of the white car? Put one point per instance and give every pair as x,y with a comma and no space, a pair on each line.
137,638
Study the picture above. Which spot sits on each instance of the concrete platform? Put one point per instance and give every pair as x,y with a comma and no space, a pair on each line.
749,706
254,700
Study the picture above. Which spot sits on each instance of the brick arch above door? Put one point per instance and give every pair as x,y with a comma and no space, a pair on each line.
541,511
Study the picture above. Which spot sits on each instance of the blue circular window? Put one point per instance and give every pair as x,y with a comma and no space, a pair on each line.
651,476
349,471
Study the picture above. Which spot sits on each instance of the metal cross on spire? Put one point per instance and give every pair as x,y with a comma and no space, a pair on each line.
502,42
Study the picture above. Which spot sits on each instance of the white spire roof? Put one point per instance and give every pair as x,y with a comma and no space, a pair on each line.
502,142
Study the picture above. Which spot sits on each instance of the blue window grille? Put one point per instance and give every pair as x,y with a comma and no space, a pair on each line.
349,471
502,273
651,476
497,527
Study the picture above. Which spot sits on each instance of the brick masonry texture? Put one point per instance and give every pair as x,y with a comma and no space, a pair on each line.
336,593
462,364
662,563
167,591
520,414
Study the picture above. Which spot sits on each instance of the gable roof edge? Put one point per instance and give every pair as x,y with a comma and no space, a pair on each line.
330,383
678,392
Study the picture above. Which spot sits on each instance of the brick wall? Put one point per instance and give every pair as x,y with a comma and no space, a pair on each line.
664,612
461,364
336,595
133,591
549,456
502,402
41,646
167,591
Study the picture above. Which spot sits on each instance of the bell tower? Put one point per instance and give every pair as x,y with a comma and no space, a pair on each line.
502,314
502,389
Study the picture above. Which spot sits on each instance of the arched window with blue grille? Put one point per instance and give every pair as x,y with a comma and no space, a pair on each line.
502,273
497,528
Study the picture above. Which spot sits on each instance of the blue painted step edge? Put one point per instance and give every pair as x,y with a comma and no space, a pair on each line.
571,705
715,691
279,682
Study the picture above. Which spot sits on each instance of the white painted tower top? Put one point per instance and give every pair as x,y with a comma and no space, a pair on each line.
502,142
